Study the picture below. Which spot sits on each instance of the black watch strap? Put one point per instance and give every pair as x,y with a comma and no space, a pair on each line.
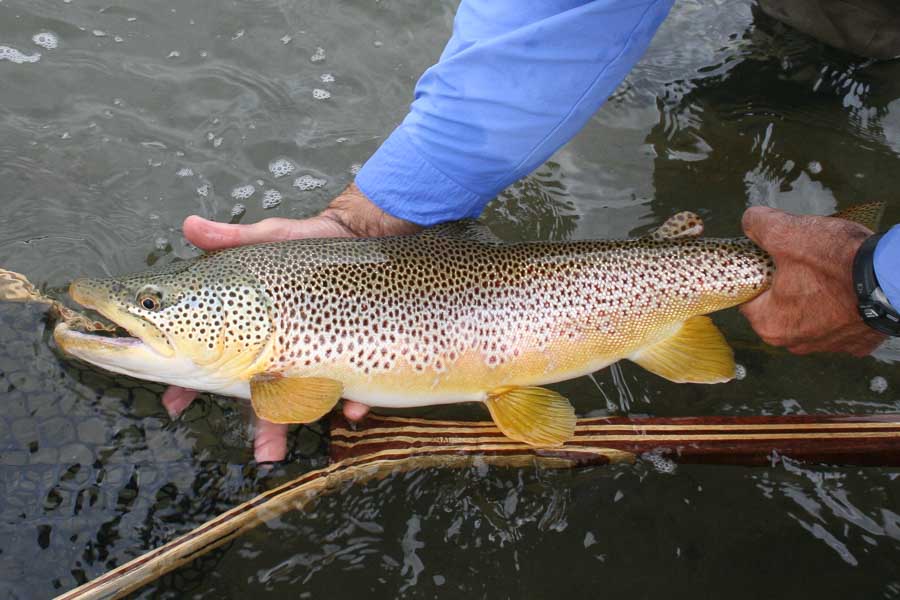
874,307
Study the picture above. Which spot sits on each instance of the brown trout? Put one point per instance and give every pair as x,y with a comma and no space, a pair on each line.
448,315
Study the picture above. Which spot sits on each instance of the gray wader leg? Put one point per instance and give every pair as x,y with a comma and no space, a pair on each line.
868,28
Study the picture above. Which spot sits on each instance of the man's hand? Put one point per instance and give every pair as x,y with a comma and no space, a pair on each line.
350,214
811,306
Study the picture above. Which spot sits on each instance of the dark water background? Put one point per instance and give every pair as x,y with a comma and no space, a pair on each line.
147,112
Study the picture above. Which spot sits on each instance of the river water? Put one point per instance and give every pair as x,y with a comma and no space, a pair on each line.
119,119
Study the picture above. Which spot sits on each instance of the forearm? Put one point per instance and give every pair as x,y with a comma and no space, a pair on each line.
516,81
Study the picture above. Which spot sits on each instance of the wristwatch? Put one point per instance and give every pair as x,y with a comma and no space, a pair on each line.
874,307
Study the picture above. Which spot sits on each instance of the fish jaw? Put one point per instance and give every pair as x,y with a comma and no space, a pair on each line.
95,295
133,357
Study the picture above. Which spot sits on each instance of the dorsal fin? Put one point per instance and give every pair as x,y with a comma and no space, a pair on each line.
682,225
465,229
868,214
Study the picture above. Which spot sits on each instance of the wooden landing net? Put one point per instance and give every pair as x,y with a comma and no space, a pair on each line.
385,445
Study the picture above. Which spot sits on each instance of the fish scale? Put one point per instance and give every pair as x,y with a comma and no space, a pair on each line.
375,312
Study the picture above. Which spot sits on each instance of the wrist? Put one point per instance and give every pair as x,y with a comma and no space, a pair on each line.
358,216
874,306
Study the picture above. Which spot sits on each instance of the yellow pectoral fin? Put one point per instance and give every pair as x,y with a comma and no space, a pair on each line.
293,399
533,415
696,353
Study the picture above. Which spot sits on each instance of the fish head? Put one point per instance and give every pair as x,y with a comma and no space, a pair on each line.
200,323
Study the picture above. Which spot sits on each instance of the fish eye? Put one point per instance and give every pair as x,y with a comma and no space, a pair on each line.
149,299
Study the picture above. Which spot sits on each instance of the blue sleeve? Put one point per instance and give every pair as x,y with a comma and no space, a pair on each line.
517,80
887,265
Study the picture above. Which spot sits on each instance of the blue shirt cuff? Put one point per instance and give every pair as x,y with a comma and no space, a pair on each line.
887,265
400,181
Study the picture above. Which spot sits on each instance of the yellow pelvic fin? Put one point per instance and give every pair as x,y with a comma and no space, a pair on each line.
868,214
533,415
293,399
696,353
682,225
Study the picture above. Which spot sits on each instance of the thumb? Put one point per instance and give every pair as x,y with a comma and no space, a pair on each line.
771,229
759,313
210,235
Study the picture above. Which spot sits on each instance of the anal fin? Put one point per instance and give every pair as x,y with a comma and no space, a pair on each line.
696,353
534,415
293,399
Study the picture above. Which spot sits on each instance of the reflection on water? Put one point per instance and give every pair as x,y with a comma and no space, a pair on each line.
118,121
534,208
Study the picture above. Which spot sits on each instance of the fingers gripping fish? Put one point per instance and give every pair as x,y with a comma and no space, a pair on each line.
448,315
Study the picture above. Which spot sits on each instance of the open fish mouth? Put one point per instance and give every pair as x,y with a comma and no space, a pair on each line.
87,321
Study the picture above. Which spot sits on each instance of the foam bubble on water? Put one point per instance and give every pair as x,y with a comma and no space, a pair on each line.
243,192
13,55
99,33
173,54
66,135
660,462
740,372
271,198
185,172
319,94
318,55
281,167
238,34
161,243
286,39
203,190
238,209
131,19
46,39
879,384
814,167
217,142
305,183
326,78
354,168
378,43
118,39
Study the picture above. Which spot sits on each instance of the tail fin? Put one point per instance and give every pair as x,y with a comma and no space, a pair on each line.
868,214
